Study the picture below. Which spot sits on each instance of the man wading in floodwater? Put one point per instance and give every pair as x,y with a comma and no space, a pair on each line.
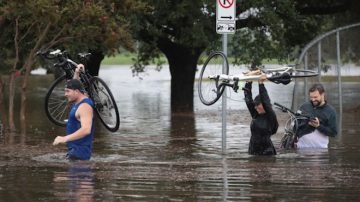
80,125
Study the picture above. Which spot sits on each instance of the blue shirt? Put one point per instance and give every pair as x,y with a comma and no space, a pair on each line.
81,148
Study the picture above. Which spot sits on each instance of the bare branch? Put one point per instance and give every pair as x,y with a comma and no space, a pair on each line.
27,31
16,43
58,41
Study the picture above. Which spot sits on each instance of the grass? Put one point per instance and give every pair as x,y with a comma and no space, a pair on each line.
124,59
128,59
343,78
120,59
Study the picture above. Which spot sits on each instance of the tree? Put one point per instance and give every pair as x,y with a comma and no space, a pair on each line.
73,25
182,30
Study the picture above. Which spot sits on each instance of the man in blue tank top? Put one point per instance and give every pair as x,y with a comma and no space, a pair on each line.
80,125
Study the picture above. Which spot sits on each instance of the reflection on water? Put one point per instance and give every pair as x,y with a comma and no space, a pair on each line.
76,184
156,156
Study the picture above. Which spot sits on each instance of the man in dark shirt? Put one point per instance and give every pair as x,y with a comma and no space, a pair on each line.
315,133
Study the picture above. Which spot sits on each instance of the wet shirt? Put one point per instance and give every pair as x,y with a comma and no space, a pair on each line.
262,125
79,149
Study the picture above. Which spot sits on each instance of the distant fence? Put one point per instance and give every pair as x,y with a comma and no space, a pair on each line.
335,55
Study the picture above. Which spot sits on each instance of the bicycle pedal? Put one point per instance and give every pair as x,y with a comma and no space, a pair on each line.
236,88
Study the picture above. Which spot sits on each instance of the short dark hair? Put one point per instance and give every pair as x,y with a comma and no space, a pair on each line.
317,87
74,84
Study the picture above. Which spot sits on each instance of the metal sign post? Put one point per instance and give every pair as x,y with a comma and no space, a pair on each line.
225,24
224,96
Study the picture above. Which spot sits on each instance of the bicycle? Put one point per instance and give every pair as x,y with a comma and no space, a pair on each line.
213,80
57,107
291,126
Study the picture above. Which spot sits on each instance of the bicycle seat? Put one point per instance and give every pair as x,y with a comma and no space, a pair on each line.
84,55
284,78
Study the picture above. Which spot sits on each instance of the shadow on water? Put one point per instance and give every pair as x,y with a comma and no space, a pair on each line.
163,157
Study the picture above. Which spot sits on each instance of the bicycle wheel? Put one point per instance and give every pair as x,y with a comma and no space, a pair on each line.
287,141
301,73
57,107
209,89
105,105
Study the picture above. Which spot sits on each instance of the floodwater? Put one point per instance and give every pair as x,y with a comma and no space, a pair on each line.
158,157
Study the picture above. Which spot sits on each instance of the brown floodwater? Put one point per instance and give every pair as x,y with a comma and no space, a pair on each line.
158,157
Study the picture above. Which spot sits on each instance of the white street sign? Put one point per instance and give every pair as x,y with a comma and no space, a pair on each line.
225,16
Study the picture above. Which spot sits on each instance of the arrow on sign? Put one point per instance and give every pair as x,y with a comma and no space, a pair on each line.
229,17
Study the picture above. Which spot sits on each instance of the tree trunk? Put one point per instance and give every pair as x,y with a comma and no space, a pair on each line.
28,65
11,102
3,119
182,64
93,64
12,78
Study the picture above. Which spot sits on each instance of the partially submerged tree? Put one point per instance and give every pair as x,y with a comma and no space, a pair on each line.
181,30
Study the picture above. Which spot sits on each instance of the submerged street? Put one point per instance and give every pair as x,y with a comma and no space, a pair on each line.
158,157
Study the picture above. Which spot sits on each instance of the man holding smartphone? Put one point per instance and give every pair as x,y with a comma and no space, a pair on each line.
315,133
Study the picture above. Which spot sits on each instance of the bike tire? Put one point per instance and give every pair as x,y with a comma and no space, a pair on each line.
209,89
57,107
105,105
287,141
302,73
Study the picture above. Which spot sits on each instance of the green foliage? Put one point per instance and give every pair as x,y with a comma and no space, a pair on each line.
274,29
74,25
187,24
265,29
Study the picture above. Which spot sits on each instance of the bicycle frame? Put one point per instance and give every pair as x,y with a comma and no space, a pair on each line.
68,66
232,80
241,77
214,77
291,126
56,106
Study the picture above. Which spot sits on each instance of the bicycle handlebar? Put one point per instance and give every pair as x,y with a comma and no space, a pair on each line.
283,108
61,56
297,114
52,54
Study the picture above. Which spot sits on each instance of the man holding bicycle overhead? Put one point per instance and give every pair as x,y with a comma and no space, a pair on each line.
315,133
80,124
264,121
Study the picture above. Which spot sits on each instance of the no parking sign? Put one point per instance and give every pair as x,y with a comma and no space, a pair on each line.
225,16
